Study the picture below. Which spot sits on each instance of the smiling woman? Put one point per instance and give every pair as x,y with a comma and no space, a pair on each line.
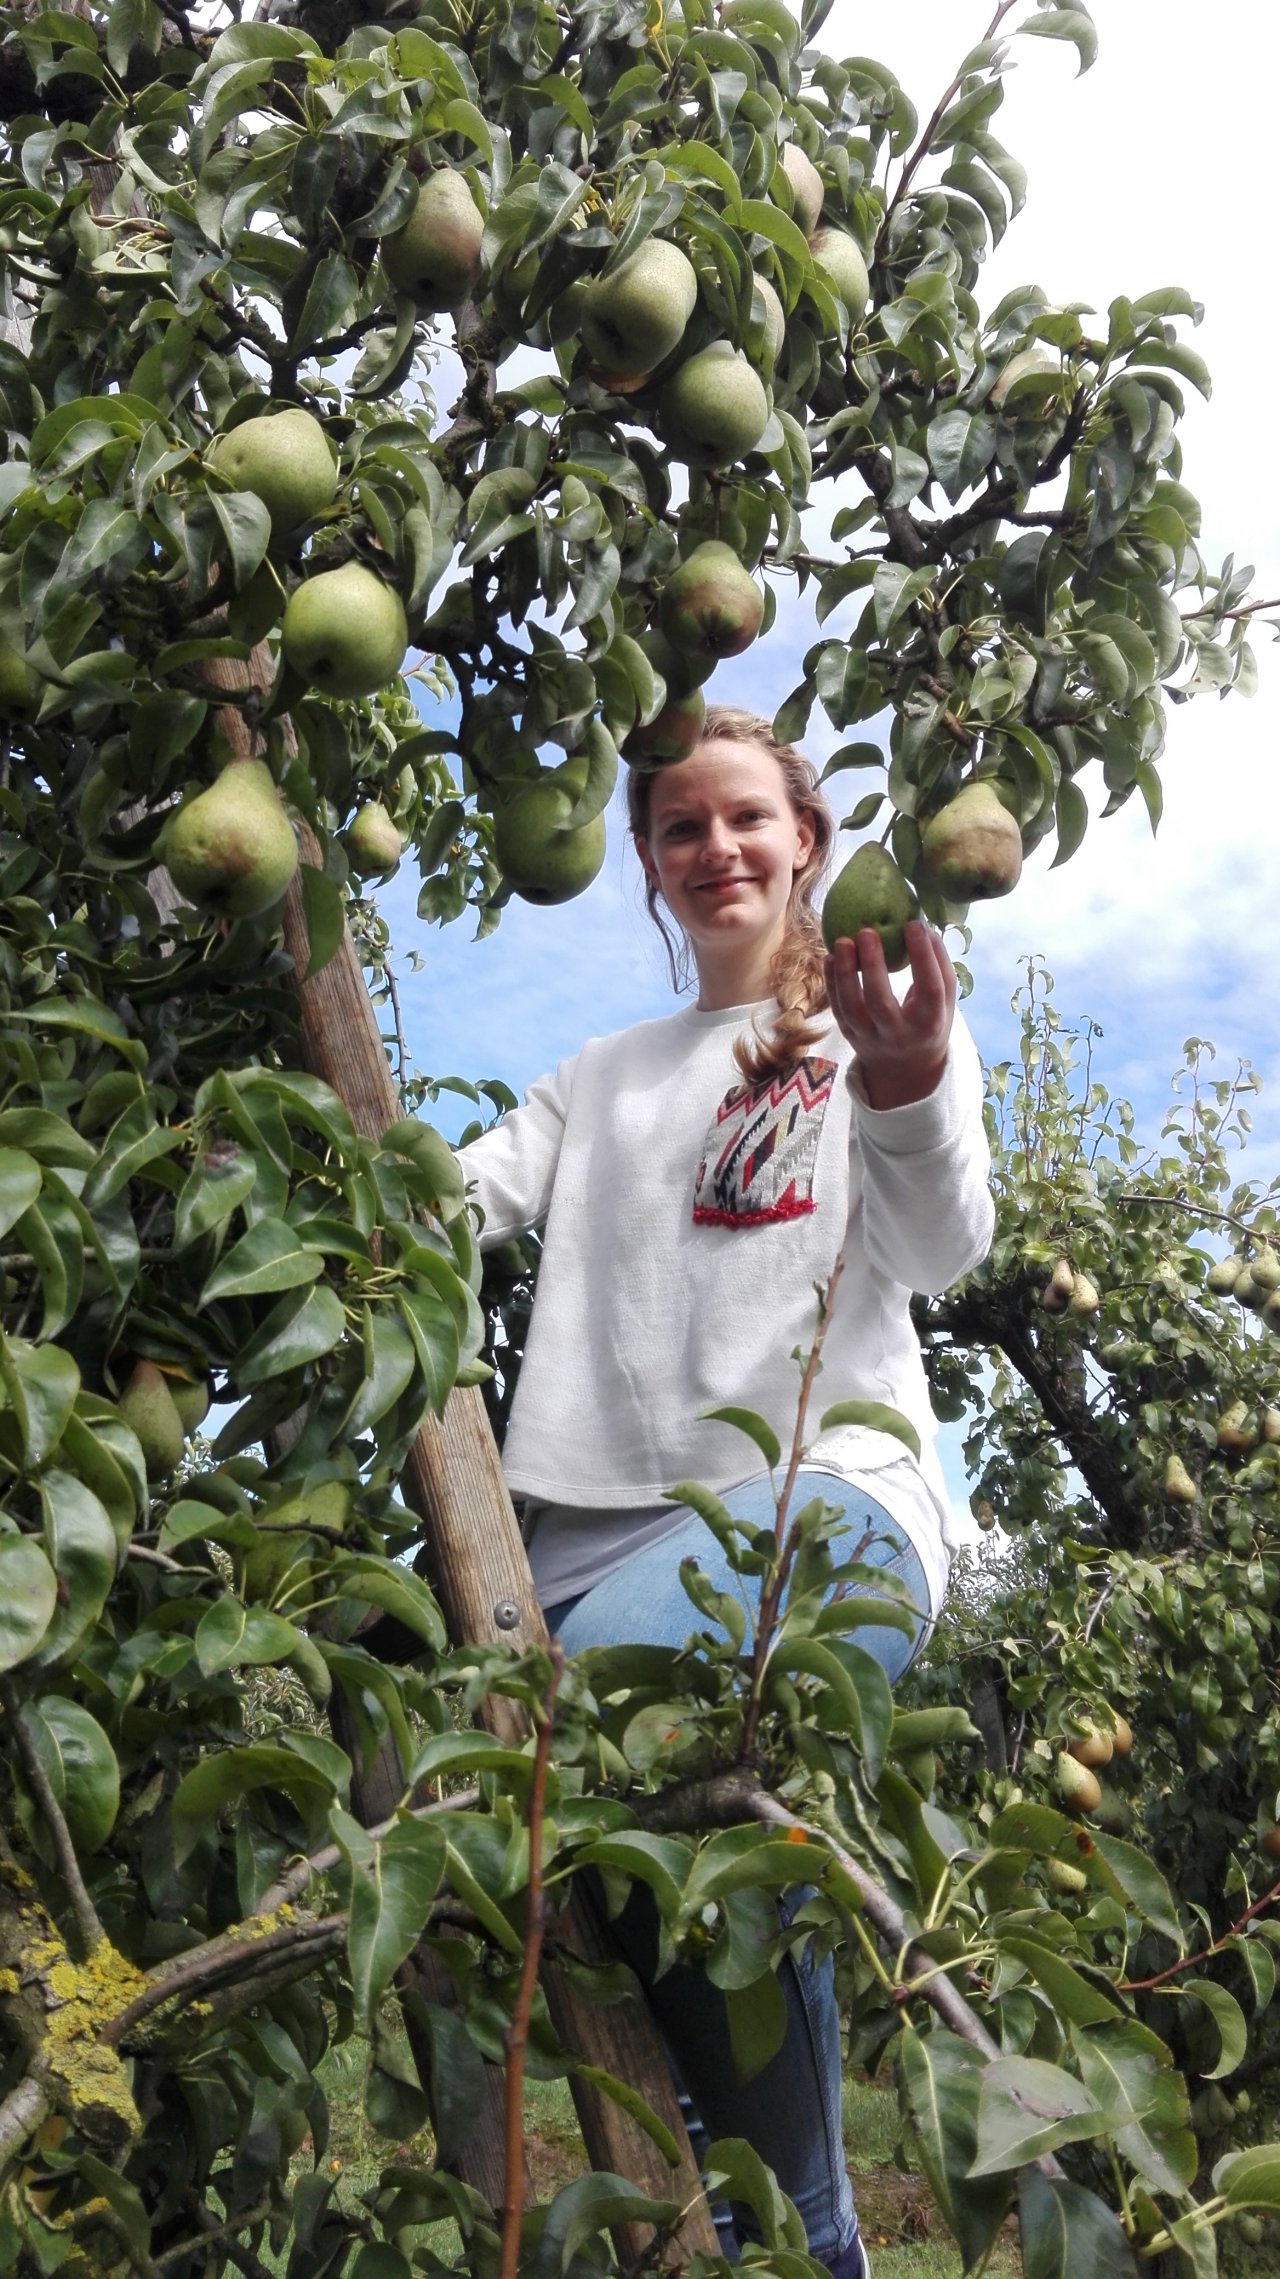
696,1177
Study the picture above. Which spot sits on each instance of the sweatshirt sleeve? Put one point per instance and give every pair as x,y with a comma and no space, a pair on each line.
510,1170
928,1214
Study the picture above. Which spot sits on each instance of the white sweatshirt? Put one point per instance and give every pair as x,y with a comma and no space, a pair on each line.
686,1224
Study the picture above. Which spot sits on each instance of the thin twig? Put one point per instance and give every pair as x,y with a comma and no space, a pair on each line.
1247,609
921,151
771,1599
230,1957
82,1907
1203,1954
237,2223
517,2034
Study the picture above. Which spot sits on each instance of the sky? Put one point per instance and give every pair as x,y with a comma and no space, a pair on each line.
1155,168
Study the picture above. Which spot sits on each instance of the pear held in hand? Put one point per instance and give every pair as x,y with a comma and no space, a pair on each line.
972,847
285,459
231,849
871,891
344,631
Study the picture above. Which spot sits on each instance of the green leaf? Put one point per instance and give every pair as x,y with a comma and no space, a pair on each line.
1135,1879
458,2080
733,2170
214,1188
434,1331
857,1687
1072,1996
20,1178
291,1336
1066,24
229,1776
873,1416
396,1589
49,1138
80,1765
1027,2107
28,1598
1250,2179
41,1383
940,2078
268,1258
755,1428
582,2210
81,1543
1068,2232
635,2106
1228,2018
1128,2067
246,526
325,914
393,1883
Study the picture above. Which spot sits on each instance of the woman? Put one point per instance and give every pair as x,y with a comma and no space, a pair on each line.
696,1178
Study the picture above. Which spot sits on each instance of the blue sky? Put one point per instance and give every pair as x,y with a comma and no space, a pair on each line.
1156,168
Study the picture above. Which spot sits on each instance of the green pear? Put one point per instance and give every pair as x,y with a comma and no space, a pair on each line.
1056,1294
807,187
147,1406
775,318
673,733
1093,1746
1264,1269
435,255
1111,1813
231,849
190,1397
712,606
633,316
972,847
871,891
285,459
372,841
1224,1274
681,669
842,262
714,409
1064,1876
1077,1786
1121,1733
1084,1299
344,631
1179,1487
1237,1431
537,853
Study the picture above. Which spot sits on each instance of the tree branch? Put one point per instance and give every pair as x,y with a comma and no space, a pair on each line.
23,2110
1189,1962
921,151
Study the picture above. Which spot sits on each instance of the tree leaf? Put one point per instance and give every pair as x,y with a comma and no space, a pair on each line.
80,1764
393,1883
755,1428
325,914
292,1335
873,1416
81,1543
1027,2107
268,1258
1250,2179
41,1382
20,1178
1068,2231
228,1776
940,2078
28,1598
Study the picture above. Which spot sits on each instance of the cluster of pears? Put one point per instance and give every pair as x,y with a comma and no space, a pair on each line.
230,848
162,1406
970,851
1069,1291
1253,1279
1091,1748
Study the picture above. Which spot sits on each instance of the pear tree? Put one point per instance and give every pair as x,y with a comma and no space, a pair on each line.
270,622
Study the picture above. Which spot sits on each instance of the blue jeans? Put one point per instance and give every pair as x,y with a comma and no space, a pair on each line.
790,2111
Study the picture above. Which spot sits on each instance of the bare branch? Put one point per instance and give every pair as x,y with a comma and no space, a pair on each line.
22,2111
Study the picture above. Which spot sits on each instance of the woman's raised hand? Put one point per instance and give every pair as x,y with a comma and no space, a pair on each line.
901,1046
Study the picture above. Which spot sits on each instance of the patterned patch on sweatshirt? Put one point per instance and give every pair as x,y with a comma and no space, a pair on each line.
758,1157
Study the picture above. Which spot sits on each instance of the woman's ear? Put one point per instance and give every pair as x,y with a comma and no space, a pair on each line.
646,861
806,834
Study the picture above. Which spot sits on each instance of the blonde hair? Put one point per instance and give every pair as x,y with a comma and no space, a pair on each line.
796,976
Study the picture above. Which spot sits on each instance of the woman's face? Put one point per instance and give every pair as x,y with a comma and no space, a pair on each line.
723,849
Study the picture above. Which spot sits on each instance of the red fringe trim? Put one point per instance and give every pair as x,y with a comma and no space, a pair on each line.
705,1218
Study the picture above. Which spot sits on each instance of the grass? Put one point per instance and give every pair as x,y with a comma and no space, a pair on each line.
903,2231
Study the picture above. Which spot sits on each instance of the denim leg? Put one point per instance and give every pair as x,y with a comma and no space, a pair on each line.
790,2110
